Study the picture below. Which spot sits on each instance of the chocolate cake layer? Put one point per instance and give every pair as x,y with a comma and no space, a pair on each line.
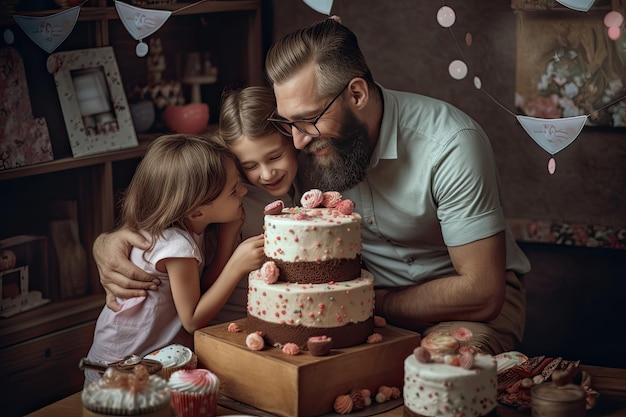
337,270
351,334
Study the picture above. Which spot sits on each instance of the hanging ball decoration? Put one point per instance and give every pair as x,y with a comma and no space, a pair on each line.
614,33
613,19
551,166
477,83
457,69
9,36
446,16
141,49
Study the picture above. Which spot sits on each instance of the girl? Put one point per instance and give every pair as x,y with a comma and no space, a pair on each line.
268,161
266,158
183,184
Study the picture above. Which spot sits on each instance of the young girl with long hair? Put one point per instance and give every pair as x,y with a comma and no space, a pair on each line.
183,184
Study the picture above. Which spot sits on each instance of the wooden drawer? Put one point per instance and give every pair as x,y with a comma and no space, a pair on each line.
43,370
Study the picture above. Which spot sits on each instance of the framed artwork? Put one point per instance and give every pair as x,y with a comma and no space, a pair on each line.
24,139
95,108
568,66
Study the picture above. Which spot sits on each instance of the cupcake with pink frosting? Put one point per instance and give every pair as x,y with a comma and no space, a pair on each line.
194,392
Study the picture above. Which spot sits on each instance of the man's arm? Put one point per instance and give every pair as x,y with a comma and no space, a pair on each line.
475,294
118,275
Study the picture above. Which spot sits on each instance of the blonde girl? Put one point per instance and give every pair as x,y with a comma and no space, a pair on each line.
183,184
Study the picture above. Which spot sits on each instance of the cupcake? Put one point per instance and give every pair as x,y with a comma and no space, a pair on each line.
173,358
194,392
319,345
120,393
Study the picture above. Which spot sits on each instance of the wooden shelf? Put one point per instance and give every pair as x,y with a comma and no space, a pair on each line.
71,163
37,346
49,318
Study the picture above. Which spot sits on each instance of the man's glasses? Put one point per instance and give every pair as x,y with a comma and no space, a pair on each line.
309,126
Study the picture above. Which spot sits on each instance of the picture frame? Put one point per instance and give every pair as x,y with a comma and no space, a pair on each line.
567,66
95,107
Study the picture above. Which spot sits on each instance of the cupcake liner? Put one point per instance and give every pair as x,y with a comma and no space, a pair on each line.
188,404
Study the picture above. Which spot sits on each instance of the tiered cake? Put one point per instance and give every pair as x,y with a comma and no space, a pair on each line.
312,284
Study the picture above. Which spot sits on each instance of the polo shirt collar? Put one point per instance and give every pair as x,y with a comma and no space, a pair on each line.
387,144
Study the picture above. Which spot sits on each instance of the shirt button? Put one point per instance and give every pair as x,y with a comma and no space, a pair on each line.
410,260
370,221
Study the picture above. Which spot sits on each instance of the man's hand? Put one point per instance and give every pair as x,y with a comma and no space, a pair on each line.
118,275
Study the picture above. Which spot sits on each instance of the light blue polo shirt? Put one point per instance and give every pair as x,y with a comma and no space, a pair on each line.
432,183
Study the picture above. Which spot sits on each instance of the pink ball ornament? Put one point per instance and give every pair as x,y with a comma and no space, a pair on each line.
614,33
613,19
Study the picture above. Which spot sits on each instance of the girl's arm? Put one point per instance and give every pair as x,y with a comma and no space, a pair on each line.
227,239
196,310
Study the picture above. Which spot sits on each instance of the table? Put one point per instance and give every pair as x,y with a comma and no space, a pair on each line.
610,382
71,407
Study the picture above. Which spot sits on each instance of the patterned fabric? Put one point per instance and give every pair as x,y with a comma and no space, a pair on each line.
515,382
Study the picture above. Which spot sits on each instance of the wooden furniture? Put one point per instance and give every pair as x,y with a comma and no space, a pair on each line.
610,382
302,379
40,349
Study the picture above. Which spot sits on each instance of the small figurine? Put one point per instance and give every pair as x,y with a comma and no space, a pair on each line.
156,61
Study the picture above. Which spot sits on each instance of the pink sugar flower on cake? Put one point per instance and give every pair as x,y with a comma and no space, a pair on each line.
379,321
233,328
462,333
375,338
269,272
331,198
275,207
291,349
345,207
255,341
312,198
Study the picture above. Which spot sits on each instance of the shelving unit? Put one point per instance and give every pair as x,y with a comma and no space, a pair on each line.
40,348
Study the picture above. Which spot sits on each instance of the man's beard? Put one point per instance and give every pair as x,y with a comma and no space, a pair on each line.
345,165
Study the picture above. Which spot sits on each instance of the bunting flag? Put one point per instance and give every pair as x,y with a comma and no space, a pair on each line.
141,23
320,6
49,31
553,135
578,5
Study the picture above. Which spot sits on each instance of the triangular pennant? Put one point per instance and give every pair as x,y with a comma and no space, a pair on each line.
553,135
49,31
320,6
579,5
141,23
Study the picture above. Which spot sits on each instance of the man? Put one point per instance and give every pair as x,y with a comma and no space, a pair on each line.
421,174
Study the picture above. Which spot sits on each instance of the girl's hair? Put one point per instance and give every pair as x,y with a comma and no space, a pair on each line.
330,45
177,174
245,113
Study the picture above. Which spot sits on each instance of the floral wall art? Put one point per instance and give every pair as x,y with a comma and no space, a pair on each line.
567,66
24,139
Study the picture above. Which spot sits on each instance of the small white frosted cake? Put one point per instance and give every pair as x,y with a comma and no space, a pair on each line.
441,379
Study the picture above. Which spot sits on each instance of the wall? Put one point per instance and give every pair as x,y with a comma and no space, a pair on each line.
574,294
408,50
